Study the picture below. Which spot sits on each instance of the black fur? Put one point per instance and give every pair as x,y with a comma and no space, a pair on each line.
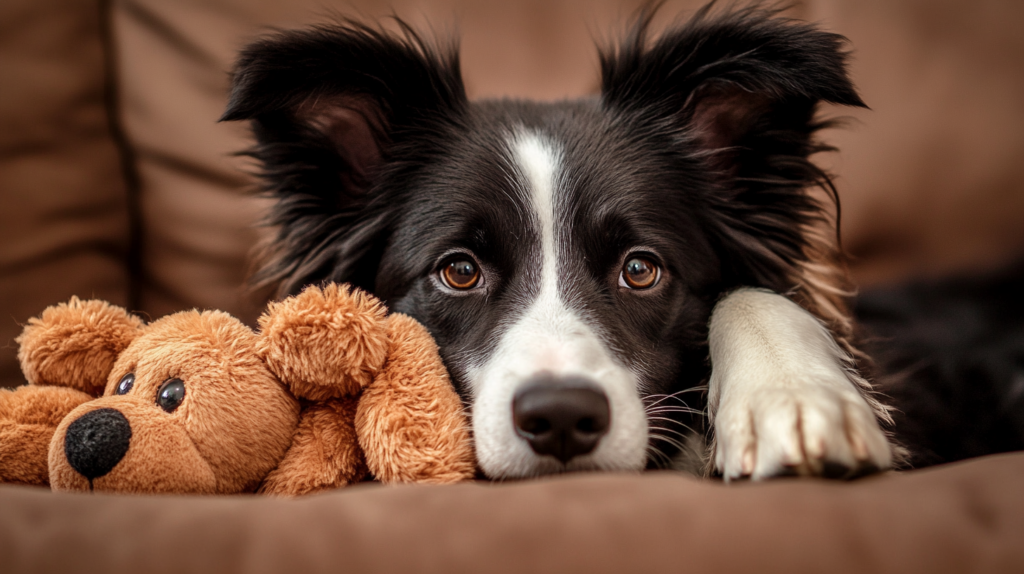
770,74
327,223
697,149
953,351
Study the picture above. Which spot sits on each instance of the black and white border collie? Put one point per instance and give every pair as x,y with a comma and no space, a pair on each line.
611,279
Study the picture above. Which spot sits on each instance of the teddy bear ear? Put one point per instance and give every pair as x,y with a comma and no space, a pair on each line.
325,342
75,344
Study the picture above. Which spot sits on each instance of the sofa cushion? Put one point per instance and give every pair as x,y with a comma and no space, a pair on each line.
930,176
957,518
64,218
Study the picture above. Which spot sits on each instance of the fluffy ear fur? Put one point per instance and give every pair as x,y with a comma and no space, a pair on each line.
324,343
75,344
738,91
410,421
326,105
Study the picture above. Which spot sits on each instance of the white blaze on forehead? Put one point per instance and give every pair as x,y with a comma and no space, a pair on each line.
550,337
538,160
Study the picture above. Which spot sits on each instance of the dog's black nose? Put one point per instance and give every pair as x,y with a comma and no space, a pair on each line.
97,441
559,416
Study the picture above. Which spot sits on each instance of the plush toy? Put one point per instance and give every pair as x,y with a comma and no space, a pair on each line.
330,391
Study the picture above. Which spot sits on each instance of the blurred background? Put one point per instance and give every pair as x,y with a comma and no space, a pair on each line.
116,182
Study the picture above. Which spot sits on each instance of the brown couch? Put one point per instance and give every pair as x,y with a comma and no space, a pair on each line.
118,183
963,518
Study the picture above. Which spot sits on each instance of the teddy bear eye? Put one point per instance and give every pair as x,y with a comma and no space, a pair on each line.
126,384
171,394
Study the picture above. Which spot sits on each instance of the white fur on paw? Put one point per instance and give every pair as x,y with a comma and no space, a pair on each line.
782,396
808,429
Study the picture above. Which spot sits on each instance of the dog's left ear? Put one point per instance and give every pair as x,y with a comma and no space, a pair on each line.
738,92
326,105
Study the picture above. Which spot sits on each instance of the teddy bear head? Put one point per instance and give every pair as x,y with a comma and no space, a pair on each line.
195,402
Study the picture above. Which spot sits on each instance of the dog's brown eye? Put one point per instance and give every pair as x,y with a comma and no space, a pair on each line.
125,384
171,394
460,273
639,273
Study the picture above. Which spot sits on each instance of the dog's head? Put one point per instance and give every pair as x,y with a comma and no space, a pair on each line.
565,255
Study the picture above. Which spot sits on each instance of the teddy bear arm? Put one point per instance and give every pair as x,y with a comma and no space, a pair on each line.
324,453
29,416
410,422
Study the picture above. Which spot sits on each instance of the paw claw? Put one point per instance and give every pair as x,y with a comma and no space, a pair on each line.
749,458
799,431
860,450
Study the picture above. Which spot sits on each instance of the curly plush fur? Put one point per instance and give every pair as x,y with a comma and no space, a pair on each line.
274,411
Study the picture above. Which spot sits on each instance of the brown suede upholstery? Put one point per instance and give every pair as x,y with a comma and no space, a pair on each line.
198,221
962,518
931,177
64,227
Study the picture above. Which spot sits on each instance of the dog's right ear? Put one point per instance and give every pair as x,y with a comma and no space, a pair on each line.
326,103
75,344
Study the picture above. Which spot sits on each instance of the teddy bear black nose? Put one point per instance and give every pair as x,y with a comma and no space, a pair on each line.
97,441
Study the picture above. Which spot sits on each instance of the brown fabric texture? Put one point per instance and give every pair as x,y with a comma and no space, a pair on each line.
930,177
64,222
967,517
196,219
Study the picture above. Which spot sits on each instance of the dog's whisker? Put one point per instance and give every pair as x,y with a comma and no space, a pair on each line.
663,397
680,434
665,438
675,443
661,460
685,426
672,409
660,399
671,412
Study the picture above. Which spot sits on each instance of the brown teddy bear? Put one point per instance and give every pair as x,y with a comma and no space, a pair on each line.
331,390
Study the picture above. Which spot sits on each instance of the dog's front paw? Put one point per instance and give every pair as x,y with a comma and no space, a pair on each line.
815,430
